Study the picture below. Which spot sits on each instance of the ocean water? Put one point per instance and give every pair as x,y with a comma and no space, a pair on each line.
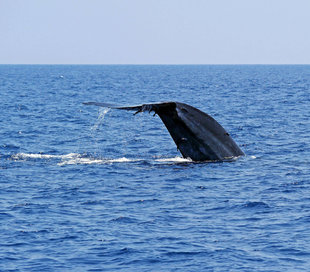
89,189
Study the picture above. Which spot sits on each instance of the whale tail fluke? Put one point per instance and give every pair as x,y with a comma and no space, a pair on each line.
197,135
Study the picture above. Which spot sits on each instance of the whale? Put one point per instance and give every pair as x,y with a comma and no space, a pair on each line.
197,135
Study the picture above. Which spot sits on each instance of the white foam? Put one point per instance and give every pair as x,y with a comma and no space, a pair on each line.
94,161
122,160
21,156
71,158
79,160
175,159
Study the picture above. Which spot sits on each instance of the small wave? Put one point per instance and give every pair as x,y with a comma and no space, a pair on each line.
256,204
123,219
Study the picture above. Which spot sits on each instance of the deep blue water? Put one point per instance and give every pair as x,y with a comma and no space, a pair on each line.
82,189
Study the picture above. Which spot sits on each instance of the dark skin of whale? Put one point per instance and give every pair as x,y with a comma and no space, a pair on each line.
197,135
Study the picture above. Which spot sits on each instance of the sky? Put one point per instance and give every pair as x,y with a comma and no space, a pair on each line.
154,31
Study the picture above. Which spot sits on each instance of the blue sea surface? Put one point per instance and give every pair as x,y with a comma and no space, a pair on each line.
84,188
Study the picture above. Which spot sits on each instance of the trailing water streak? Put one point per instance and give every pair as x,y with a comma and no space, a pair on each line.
76,158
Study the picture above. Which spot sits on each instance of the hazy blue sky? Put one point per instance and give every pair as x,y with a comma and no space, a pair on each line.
155,31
